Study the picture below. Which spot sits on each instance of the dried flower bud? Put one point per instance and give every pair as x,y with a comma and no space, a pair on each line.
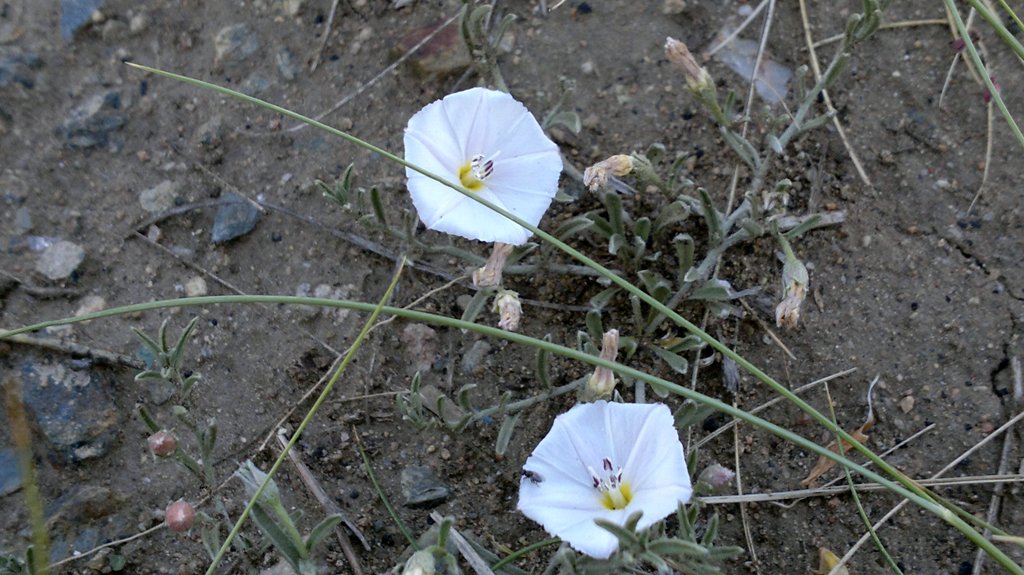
162,443
794,283
697,78
490,274
179,516
716,478
602,381
509,310
596,176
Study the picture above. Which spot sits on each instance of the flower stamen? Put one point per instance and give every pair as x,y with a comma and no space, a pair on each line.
473,173
614,493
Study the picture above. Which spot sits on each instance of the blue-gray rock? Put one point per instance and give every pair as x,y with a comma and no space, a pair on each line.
76,13
234,44
421,489
287,65
10,472
72,408
23,220
234,219
83,517
93,121
59,260
20,69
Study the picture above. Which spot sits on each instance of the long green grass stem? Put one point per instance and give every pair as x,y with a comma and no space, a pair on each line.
524,551
856,497
909,487
423,317
972,51
374,312
384,499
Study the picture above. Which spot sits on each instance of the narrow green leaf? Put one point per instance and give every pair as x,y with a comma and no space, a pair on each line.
322,530
505,434
677,363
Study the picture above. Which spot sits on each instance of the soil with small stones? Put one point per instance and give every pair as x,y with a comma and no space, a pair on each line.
914,287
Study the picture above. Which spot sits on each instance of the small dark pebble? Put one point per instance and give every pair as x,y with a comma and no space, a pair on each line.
276,237
713,422
966,568
584,8
354,494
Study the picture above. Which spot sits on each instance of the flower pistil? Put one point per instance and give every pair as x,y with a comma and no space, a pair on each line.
614,492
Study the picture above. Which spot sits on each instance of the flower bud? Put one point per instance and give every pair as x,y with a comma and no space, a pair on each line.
162,443
602,382
179,516
596,176
509,309
794,284
716,478
490,274
697,78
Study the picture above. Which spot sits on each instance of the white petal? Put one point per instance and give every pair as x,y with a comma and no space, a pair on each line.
657,503
656,458
471,220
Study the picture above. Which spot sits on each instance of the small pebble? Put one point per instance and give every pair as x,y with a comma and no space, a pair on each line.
60,260
195,287
159,198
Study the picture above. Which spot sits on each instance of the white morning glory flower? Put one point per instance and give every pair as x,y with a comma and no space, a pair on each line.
604,461
492,145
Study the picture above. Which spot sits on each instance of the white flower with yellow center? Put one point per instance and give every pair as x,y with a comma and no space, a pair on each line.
490,144
604,461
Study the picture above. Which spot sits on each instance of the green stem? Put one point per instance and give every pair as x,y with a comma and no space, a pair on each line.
524,551
972,51
374,312
911,493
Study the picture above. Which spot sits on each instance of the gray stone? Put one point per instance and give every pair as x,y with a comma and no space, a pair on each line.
287,66
419,344
473,359
10,472
255,84
234,43
20,69
76,13
421,489
23,220
93,121
72,408
159,198
234,219
60,260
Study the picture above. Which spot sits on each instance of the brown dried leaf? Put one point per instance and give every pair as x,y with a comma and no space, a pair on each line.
824,464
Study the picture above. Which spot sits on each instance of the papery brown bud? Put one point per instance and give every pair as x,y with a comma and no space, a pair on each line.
602,381
697,78
509,309
794,283
162,443
179,516
490,274
596,176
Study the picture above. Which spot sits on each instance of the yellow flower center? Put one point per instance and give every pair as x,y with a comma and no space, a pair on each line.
617,497
468,178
